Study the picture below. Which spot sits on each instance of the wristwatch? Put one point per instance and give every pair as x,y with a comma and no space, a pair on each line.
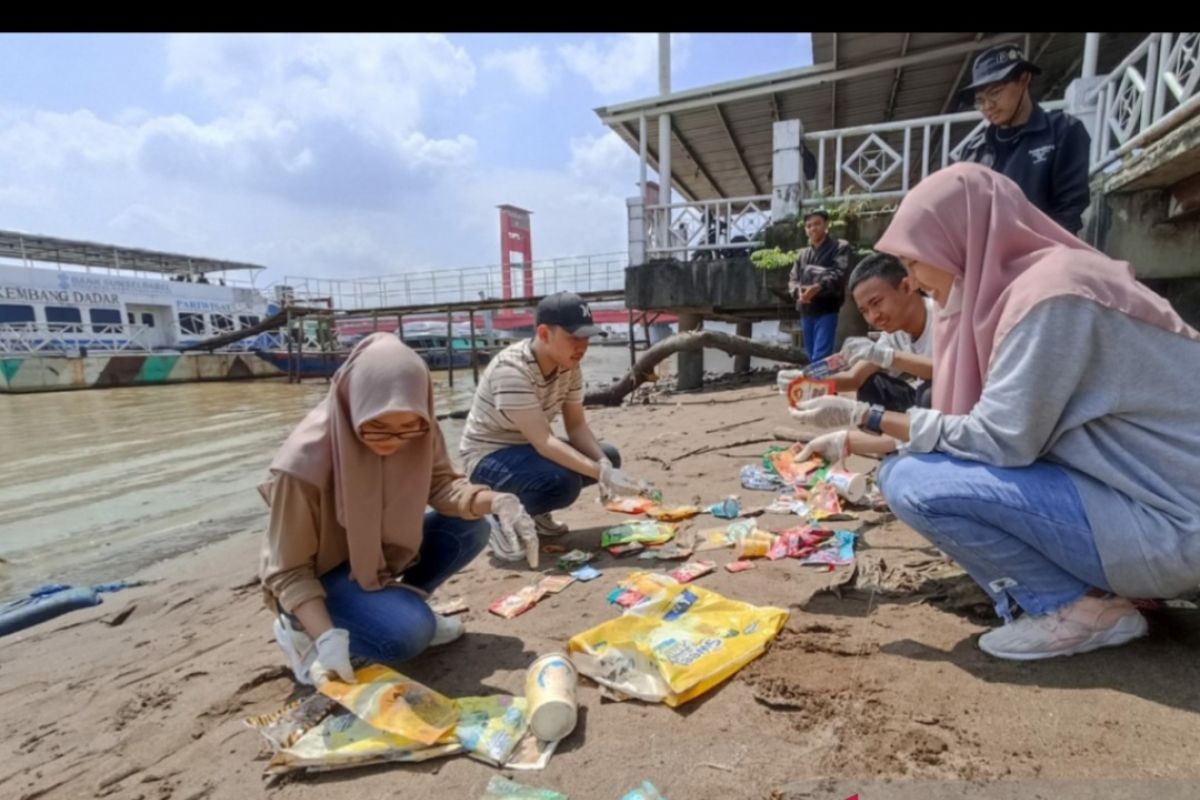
874,420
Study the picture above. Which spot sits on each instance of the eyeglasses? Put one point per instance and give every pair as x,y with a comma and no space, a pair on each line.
991,95
387,436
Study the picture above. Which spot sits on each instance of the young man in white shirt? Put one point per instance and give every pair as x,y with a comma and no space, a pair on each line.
891,303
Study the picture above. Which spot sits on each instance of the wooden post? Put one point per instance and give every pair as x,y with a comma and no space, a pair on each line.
300,353
327,346
288,335
474,358
632,345
450,345
741,362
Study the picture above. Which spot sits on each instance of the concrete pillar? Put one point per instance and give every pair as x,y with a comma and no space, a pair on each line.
1079,105
643,155
1184,294
664,63
741,363
664,128
1091,54
787,173
850,323
665,181
636,207
691,363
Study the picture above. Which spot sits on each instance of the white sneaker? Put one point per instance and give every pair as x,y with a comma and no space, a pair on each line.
548,526
447,630
1087,624
298,646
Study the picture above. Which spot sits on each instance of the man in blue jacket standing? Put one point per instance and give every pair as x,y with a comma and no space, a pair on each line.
1044,152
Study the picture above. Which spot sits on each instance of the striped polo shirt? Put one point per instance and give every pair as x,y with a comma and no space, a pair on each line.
513,381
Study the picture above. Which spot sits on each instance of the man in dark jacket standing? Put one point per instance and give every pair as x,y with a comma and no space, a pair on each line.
818,284
1044,152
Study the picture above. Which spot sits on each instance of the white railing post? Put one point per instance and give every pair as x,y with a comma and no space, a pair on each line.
925,151
1150,83
837,169
787,172
1161,83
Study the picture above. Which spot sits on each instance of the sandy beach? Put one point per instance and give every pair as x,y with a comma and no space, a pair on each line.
875,686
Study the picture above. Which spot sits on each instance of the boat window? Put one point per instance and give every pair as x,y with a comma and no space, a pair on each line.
148,320
16,313
222,322
105,320
191,323
247,321
64,318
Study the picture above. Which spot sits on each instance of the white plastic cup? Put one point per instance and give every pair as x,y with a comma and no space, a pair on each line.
850,485
550,691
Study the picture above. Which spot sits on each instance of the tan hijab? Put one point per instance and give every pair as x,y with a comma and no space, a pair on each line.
380,500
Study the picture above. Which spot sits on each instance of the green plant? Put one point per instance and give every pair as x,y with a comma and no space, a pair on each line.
774,258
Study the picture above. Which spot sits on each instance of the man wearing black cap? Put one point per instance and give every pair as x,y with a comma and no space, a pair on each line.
818,284
1045,153
507,443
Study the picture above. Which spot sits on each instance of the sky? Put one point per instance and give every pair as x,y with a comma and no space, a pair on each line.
338,156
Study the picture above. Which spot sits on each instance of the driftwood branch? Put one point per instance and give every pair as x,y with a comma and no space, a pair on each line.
272,323
710,448
733,425
791,434
643,368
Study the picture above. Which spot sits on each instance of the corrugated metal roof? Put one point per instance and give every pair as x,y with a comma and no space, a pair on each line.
721,143
51,249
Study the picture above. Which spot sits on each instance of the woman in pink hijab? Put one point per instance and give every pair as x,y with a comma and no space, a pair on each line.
1059,462
351,553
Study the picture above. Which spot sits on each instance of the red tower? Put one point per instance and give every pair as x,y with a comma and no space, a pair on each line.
515,237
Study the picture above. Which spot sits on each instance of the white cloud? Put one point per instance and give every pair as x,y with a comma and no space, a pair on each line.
526,66
373,87
604,161
313,156
51,140
624,62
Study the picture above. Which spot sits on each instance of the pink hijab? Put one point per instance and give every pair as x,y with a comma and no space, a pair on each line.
1008,257
380,500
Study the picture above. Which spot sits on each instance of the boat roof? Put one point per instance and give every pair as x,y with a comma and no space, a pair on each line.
54,250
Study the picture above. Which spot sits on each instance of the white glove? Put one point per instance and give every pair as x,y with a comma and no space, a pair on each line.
833,447
863,349
831,412
516,534
333,657
615,483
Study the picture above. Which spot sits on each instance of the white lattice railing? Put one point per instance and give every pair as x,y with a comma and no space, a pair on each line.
1153,88
593,273
706,229
1150,91
883,161
55,337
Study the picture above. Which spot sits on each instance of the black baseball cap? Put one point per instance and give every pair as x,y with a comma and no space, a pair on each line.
1000,63
569,311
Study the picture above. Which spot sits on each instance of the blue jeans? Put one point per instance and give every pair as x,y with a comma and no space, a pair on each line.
1021,533
539,483
819,332
395,624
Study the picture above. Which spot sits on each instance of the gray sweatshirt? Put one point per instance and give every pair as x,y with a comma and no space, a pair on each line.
1117,403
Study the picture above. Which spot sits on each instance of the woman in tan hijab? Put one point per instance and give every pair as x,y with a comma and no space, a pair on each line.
351,553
